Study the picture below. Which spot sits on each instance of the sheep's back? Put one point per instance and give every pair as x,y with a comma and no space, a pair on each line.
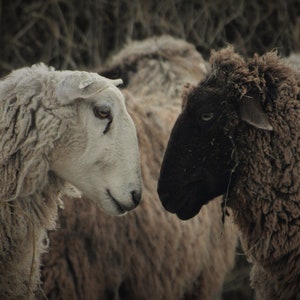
148,253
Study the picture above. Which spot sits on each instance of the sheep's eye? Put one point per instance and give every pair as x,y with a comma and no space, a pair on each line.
207,116
101,112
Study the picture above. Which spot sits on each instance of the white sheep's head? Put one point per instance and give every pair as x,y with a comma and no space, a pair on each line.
99,153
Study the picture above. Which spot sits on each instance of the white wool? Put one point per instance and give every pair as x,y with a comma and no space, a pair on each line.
46,117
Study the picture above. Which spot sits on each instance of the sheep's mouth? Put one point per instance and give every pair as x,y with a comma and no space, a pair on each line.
192,204
121,209
197,192
186,198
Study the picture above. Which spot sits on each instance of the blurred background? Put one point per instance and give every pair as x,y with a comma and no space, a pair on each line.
83,34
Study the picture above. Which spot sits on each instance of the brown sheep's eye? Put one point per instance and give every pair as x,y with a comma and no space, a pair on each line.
102,112
206,116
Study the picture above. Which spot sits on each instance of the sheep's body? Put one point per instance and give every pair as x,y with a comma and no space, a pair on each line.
23,240
252,113
36,123
148,254
273,245
268,189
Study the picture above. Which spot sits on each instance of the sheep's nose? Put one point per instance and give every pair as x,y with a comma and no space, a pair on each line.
136,197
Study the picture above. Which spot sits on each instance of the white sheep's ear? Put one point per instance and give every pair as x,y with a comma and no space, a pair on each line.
82,85
252,113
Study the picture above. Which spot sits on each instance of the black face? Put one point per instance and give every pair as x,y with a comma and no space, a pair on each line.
197,163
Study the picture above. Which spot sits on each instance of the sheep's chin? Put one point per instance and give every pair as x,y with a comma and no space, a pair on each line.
112,209
191,206
108,204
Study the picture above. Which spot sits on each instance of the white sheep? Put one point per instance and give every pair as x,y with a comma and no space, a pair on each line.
148,254
58,127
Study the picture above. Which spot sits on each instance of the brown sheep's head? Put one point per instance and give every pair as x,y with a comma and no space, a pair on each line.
198,163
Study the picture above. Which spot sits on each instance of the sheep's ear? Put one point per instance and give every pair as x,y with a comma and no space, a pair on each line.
82,85
252,113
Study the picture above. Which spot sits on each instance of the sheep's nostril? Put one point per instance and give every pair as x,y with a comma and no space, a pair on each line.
136,197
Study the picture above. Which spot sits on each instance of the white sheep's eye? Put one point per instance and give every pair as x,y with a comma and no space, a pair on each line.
101,112
207,116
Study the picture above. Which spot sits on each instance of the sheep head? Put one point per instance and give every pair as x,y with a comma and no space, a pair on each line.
68,126
99,154
200,162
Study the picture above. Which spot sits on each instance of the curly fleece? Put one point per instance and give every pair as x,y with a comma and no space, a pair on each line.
265,196
30,124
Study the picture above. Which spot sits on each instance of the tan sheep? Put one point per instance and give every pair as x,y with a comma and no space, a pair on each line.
54,126
148,254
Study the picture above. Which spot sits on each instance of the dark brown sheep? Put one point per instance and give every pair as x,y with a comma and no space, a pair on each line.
148,254
238,135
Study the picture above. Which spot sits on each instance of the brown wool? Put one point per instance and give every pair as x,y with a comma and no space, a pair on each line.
265,197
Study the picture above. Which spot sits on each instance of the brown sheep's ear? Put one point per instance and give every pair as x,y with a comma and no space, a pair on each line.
252,113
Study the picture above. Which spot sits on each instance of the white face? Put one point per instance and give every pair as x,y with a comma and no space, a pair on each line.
100,155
